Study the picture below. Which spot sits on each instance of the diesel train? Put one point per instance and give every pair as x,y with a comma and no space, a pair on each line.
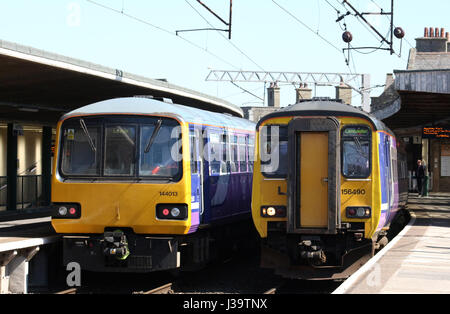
328,181
143,185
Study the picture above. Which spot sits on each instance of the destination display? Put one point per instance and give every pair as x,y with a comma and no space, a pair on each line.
436,132
356,131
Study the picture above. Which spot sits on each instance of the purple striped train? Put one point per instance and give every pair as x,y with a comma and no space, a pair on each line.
142,185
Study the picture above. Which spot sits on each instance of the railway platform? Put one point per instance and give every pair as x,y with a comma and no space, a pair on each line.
22,240
417,260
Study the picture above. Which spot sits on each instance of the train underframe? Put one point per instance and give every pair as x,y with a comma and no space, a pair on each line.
122,250
316,256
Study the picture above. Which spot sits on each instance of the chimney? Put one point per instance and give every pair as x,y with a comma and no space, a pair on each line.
434,40
344,92
389,80
303,92
273,95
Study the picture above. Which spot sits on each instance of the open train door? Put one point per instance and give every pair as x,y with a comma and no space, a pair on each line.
313,179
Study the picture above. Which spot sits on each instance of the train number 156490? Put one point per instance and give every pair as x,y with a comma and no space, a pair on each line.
353,191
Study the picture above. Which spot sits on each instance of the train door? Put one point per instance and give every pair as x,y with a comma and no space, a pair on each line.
197,205
313,174
389,179
313,182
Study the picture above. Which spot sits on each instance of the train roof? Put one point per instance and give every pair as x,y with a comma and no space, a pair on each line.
324,108
149,106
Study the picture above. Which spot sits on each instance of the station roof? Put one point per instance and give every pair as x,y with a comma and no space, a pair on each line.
417,98
420,95
38,87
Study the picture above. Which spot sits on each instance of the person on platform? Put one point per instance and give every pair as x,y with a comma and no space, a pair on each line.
420,177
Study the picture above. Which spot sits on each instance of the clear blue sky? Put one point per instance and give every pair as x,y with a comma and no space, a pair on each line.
263,36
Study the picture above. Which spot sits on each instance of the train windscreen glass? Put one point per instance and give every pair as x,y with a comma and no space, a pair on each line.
121,147
356,152
81,155
274,150
162,157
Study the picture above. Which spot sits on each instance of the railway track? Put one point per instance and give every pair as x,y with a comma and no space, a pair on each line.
164,289
68,291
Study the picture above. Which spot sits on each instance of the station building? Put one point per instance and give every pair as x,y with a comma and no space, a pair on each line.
416,106
37,88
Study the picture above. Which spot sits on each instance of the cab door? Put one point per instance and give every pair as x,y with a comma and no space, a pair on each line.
313,173
313,179
196,160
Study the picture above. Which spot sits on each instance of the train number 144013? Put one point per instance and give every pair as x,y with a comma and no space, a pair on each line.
353,191
166,193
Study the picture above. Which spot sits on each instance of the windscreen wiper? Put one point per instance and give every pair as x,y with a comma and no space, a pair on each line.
154,134
85,129
359,148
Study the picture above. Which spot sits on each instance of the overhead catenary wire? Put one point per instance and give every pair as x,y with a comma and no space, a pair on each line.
305,25
405,38
227,39
162,30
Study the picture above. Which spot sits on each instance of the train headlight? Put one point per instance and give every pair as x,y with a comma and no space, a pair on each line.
175,212
66,211
172,211
62,211
359,212
273,211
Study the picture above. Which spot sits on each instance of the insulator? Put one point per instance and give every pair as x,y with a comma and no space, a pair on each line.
399,32
347,37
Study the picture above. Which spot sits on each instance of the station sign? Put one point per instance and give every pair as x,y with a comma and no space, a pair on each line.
436,132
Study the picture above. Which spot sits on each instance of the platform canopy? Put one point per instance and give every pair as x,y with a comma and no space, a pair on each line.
37,87
417,98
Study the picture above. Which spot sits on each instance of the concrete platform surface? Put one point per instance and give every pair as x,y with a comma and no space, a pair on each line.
417,261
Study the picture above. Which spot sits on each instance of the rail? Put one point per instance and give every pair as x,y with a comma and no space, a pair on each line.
164,289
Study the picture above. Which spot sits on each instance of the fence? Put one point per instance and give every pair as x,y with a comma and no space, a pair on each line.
29,191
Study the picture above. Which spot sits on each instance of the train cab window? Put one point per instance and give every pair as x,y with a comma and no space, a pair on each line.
81,150
274,151
356,143
120,150
160,150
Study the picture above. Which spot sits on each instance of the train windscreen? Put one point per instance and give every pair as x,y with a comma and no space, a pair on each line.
121,147
356,152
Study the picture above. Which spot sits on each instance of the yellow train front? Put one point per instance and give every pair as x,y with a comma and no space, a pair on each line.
326,187
135,189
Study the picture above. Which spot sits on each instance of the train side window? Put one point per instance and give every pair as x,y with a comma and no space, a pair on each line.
250,152
356,143
217,153
242,153
234,163
194,152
